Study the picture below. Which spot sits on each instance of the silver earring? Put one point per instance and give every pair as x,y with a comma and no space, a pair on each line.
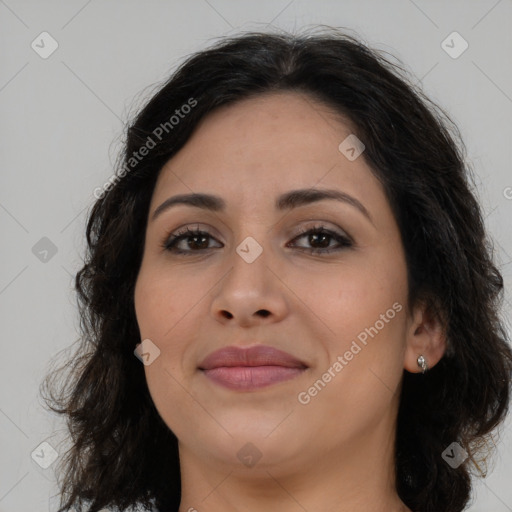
422,363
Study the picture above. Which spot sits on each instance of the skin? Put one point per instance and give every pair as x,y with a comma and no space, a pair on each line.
334,453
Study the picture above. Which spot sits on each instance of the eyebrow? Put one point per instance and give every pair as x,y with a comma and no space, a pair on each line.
286,201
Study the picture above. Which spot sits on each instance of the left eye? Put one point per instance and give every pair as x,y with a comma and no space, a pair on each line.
198,241
321,235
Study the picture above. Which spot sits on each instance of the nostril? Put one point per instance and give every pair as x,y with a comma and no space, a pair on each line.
264,312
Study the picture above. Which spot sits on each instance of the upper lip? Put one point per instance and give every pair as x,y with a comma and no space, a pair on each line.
258,355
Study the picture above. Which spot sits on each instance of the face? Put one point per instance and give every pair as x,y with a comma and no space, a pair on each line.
333,299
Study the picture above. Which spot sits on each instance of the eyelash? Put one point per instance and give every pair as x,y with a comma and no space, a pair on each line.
169,243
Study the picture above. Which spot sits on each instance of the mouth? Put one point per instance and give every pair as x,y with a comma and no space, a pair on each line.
250,368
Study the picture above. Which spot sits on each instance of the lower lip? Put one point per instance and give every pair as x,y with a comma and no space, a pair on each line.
251,377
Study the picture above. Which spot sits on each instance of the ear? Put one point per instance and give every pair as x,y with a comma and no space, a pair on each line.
426,336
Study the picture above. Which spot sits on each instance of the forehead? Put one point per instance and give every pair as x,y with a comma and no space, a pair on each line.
266,145
270,125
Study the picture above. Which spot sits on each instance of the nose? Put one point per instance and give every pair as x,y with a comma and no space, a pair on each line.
250,293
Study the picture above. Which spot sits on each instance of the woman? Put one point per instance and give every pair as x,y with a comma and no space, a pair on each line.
293,250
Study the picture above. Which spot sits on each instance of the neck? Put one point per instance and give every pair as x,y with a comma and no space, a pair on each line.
358,476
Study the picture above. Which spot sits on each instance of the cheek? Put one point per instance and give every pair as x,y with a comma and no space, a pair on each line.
160,303
161,309
348,299
168,306
364,308
358,386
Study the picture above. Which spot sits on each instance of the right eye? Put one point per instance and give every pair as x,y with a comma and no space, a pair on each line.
196,238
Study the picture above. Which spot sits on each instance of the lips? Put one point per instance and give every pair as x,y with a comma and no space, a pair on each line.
260,355
245,369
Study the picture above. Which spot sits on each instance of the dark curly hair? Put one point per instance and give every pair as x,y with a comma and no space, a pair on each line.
122,453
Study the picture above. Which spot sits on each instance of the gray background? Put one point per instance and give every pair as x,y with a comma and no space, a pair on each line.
62,117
